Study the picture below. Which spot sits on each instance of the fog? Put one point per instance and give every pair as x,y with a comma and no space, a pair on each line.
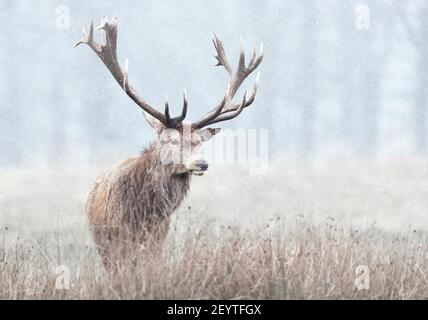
342,81
339,78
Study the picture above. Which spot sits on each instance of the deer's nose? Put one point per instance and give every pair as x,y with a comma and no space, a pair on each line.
202,165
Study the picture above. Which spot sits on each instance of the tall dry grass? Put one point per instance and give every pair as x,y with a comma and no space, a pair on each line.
298,232
205,260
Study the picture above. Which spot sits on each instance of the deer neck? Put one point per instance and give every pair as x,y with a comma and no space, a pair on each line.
159,179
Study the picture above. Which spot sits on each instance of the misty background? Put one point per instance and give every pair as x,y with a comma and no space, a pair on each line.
340,78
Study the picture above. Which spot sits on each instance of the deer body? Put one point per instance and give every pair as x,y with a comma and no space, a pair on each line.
134,201
138,192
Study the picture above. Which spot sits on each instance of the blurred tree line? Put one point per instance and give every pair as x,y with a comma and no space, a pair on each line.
340,77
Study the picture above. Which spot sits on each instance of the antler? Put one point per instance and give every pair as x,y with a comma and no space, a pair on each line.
225,110
108,55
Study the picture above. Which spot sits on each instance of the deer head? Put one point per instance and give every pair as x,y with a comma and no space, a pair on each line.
179,142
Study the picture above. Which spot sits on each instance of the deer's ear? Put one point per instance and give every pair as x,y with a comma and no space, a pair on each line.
153,122
208,133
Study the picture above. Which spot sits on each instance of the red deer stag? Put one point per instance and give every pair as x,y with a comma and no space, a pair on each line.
134,201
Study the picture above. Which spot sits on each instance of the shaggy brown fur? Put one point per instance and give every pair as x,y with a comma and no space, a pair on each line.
132,203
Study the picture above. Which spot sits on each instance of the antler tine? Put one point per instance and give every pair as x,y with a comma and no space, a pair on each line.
235,80
107,52
167,115
243,72
231,115
125,74
221,55
241,63
174,122
213,113
249,101
88,38
184,110
254,63
253,56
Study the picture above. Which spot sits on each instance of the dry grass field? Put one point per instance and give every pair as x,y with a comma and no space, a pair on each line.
298,232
